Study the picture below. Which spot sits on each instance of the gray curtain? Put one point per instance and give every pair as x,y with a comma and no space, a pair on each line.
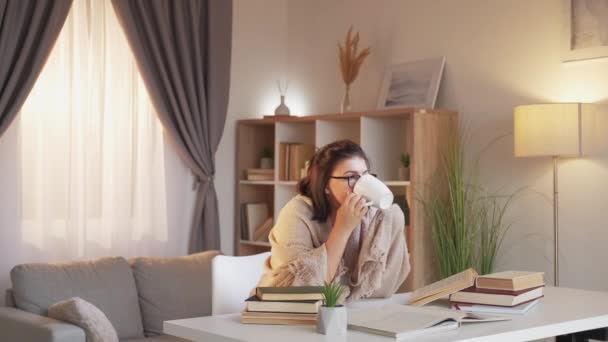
183,48
28,31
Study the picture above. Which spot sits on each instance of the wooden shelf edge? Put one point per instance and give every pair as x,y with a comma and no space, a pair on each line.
249,182
255,243
387,113
287,182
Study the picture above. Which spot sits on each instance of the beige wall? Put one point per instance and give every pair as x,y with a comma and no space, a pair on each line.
499,54
259,49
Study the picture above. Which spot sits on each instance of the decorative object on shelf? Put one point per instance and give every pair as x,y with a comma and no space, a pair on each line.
412,84
584,29
404,170
559,130
332,319
266,159
282,109
466,220
350,63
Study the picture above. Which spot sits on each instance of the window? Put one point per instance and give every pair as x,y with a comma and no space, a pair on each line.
91,146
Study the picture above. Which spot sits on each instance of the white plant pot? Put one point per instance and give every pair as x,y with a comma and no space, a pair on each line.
404,173
266,163
332,321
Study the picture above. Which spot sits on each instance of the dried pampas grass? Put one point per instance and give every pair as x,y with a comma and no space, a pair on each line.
350,61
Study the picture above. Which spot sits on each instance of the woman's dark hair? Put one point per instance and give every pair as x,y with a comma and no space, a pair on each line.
320,169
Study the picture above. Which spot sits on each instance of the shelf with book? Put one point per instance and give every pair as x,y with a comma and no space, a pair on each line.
255,205
252,140
384,135
295,143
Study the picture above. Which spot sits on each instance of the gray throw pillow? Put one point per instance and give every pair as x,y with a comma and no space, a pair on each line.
107,283
79,312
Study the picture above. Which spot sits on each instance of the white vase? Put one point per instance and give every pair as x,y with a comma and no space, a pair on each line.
345,106
266,163
282,109
332,321
404,173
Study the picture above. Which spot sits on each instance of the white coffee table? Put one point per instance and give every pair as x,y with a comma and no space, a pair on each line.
562,311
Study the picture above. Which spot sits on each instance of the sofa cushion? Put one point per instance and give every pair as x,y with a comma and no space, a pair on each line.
161,338
106,283
173,288
87,316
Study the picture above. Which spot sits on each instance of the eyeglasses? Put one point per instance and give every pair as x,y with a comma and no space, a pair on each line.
352,180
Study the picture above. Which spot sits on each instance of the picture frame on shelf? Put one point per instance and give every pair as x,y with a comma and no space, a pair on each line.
584,30
412,84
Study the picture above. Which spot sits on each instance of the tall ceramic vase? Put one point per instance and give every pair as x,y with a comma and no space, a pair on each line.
332,321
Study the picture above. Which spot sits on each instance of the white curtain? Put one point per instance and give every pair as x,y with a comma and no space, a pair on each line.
91,148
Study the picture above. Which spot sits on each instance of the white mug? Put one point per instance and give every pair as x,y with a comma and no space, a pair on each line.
374,190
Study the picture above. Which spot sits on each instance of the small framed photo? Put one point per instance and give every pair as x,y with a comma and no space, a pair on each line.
411,84
584,29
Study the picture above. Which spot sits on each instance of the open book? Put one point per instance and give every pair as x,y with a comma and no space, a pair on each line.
406,321
443,288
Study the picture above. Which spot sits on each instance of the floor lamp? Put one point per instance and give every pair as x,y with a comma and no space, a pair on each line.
555,130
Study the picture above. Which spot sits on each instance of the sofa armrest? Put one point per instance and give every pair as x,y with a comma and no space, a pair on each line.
19,325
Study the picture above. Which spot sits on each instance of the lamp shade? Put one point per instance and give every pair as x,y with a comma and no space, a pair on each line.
561,129
548,130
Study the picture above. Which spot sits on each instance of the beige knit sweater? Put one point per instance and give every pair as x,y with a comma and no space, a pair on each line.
375,261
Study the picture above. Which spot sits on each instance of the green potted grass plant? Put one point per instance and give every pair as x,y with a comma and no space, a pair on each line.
266,160
467,220
332,318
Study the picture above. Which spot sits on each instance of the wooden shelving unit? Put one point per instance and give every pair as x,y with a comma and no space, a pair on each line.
383,134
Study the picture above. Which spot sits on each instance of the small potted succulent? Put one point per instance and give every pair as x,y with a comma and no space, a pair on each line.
332,315
266,161
404,169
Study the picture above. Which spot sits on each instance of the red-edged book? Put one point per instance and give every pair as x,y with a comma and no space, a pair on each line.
474,295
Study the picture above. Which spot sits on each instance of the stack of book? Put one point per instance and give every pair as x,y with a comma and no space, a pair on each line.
292,159
259,174
511,292
283,305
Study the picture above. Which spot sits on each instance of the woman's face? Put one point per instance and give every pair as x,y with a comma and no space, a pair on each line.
339,188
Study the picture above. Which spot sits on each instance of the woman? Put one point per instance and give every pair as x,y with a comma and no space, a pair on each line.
327,233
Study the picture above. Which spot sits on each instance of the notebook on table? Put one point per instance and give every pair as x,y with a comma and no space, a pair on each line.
520,309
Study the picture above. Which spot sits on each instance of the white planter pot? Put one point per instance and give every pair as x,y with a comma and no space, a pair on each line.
404,174
266,163
332,321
